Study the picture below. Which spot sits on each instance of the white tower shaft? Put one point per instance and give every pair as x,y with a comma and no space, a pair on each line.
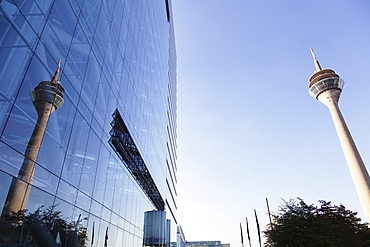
355,164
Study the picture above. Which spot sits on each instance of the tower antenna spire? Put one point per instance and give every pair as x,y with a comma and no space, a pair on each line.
56,75
316,62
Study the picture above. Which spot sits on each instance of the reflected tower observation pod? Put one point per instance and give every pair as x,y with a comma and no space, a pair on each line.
326,86
46,98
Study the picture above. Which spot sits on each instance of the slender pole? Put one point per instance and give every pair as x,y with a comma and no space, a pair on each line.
93,233
258,228
272,226
106,238
241,234
268,210
249,237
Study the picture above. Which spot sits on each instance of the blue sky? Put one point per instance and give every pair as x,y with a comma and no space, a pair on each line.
247,127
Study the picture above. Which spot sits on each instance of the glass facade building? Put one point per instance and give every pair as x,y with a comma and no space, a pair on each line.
108,154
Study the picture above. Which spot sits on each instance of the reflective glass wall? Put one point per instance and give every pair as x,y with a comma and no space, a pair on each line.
117,55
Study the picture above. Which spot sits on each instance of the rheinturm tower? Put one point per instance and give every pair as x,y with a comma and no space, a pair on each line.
46,98
326,86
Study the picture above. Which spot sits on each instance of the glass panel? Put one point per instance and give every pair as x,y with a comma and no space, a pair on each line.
66,192
61,27
90,164
93,225
114,219
119,192
85,111
81,217
101,36
89,17
76,6
12,48
10,160
83,200
96,208
52,153
96,127
72,169
106,214
29,21
101,173
75,63
120,238
65,208
91,83
68,217
78,141
4,188
45,180
14,58
39,199
112,234
35,12
19,128
100,233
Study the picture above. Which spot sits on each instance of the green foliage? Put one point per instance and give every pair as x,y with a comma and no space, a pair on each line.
301,225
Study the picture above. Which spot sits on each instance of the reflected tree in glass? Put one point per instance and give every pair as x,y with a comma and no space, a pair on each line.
44,227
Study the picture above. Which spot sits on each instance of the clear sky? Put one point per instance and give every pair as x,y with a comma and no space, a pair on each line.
247,127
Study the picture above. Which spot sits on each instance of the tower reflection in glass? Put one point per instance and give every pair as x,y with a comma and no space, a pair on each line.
46,97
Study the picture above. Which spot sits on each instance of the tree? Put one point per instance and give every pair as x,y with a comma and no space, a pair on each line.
301,225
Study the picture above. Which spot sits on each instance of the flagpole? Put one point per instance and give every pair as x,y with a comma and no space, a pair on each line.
106,238
92,237
272,227
249,237
258,228
241,234
74,239
268,210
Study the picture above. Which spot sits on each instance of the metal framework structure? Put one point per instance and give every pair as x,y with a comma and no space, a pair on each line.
125,147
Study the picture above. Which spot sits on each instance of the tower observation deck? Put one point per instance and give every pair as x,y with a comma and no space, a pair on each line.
326,86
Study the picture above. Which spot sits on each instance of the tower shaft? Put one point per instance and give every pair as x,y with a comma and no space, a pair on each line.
20,187
355,164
